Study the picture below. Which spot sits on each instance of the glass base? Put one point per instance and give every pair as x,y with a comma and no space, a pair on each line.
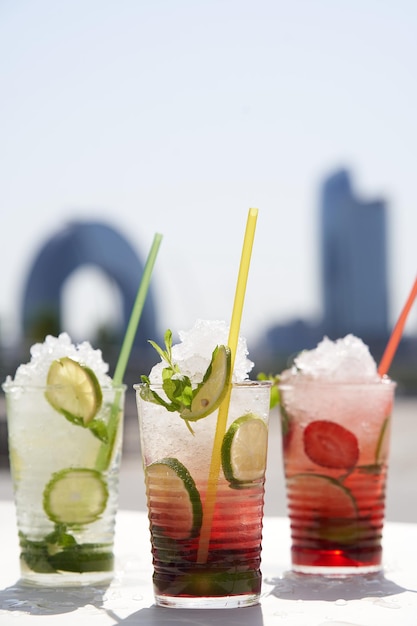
335,571
67,579
205,602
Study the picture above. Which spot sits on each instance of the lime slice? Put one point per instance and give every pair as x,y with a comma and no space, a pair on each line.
382,445
211,391
174,501
320,496
244,450
325,509
75,496
73,390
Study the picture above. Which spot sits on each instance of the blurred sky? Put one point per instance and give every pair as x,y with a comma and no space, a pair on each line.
176,116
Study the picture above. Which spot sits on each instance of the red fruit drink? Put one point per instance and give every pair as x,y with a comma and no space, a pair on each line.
231,574
176,467
335,447
205,524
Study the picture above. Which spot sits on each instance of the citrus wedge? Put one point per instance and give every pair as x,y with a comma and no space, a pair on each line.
211,391
75,496
73,390
244,450
174,501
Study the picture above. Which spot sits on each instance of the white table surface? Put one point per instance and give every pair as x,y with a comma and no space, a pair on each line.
388,599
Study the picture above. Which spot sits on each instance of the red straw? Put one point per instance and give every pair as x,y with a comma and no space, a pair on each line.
394,340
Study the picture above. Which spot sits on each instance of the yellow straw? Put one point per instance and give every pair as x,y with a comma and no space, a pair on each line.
203,546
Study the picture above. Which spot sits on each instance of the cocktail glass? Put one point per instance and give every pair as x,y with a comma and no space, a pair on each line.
65,479
335,449
176,466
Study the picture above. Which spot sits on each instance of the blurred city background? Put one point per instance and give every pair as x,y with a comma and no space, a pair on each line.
119,120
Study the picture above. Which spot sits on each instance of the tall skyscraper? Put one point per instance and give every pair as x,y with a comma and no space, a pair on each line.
354,261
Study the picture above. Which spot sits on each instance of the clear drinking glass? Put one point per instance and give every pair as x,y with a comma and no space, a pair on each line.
177,467
335,448
65,480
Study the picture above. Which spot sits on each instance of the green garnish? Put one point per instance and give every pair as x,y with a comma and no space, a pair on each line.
74,391
191,403
60,552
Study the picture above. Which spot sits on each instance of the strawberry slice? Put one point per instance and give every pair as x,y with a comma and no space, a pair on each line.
331,445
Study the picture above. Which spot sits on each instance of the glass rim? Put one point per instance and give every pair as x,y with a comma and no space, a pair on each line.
244,384
382,383
8,387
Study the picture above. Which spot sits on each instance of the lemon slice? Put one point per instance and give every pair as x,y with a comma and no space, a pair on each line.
75,496
211,391
73,390
174,501
244,450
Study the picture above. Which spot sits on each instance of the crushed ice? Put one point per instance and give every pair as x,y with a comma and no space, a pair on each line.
193,353
344,360
42,355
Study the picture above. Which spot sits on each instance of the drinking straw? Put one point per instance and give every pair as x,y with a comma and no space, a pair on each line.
104,453
215,463
129,337
396,334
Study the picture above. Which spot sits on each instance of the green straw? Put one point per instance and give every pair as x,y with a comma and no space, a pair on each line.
136,312
105,451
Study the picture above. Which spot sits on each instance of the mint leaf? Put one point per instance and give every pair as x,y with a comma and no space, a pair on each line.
176,386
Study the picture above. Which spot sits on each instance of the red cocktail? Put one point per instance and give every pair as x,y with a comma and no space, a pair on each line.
176,466
335,449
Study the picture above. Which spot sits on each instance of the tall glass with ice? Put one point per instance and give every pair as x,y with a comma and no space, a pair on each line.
65,421
194,568
336,417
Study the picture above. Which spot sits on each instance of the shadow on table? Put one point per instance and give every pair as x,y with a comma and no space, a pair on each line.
293,586
33,600
159,616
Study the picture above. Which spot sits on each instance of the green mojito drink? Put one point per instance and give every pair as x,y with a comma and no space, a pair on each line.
65,421
200,563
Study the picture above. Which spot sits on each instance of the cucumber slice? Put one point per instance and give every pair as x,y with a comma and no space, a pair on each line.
211,391
73,390
244,450
174,500
75,496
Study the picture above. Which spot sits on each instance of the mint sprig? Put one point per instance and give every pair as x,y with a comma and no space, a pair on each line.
177,386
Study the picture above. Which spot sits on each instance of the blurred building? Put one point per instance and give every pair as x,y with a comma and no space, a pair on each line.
353,251
77,245
354,261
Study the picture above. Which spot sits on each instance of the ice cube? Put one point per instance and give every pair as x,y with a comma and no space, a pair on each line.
42,355
193,353
344,360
